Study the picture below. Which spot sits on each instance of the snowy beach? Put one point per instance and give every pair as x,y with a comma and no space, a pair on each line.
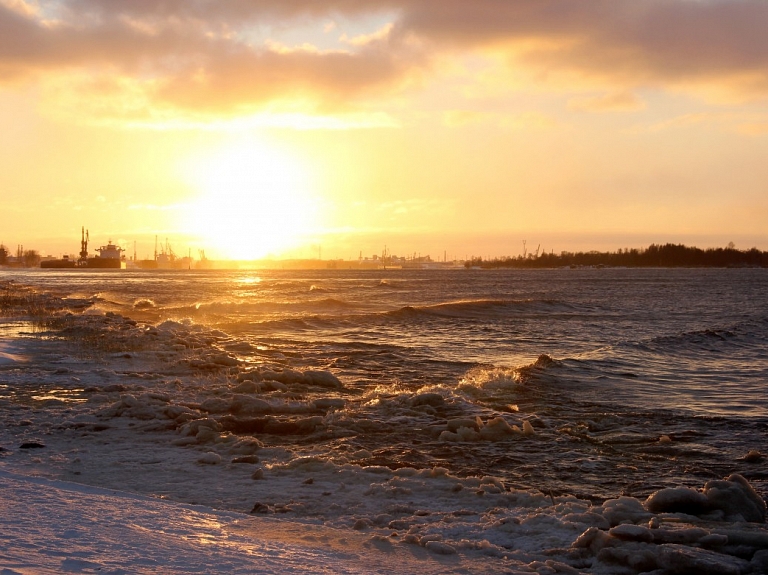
133,444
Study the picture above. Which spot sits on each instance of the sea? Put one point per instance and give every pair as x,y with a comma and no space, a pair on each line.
639,379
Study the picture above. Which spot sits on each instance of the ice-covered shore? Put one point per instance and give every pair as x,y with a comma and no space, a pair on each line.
185,415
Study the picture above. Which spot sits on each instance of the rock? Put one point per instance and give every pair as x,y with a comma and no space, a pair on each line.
31,445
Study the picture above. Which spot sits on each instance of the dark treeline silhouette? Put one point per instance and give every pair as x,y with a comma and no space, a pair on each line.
667,255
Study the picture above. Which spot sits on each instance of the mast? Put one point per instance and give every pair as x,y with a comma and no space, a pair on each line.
83,245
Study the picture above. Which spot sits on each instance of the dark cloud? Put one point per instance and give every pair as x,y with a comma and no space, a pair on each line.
650,40
200,60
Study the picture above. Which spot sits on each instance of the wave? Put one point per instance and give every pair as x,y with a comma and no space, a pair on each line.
707,371
485,308
230,308
745,335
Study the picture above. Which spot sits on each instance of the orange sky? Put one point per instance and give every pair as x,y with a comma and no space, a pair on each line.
298,127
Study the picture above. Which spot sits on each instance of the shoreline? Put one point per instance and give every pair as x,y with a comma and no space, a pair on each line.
146,410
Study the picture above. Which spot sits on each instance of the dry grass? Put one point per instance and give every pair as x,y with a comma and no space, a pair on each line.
18,301
49,314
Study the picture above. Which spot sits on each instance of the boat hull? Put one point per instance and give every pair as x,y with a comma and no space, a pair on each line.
57,264
104,263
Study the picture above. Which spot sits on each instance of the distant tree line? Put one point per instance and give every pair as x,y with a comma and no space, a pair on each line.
667,255
24,258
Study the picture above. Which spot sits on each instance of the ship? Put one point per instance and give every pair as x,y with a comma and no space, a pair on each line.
110,257
165,260
65,262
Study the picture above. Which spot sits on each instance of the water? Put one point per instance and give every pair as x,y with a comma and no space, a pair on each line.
634,379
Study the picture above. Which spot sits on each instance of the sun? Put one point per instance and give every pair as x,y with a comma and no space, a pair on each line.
253,200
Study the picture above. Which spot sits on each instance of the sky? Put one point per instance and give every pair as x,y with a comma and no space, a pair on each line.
310,128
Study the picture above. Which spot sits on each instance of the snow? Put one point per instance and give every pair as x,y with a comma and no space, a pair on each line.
49,526
132,448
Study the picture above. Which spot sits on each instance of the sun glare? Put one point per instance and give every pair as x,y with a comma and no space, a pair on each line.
254,201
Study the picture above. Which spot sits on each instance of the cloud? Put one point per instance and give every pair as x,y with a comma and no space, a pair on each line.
618,101
202,57
754,128
186,63
654,42
514,122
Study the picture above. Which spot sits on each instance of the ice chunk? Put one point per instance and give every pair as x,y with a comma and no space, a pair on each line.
685,536
497,428
759,562
466,434
432,399
753,456
192,428
247,386
247,405
678,500
587,518
637,556
215,405
528,428
682,559
322,379
624,510
593,539
440,548
736,497
632,533
456,423
327,403
210,458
